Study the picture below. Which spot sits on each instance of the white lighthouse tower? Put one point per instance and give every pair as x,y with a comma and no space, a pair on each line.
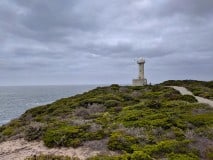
141,81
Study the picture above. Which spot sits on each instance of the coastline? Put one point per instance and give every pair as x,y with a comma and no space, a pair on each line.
15,100
121,121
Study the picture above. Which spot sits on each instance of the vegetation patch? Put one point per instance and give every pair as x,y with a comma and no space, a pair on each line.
121,142
51,157
198,88
137,122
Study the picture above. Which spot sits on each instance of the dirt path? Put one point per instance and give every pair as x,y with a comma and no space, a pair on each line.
184,91
20,149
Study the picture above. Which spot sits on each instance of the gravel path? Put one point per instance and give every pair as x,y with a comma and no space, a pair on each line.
184,91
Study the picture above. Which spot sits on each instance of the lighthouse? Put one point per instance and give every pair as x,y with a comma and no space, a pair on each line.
140,81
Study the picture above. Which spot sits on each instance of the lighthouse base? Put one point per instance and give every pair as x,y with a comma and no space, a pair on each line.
139,82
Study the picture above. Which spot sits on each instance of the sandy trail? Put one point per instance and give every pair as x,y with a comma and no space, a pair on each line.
20,149
184,91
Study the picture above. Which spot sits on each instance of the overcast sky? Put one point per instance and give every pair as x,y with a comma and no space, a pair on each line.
96,41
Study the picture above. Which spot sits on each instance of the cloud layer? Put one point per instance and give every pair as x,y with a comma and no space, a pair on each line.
84,42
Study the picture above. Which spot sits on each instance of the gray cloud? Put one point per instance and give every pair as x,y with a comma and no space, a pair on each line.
79,41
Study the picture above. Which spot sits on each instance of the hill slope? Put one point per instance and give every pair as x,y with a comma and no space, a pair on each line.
136,122
198,88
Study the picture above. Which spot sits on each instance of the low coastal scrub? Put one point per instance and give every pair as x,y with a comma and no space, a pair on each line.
143,122
121,142
51,157
198,88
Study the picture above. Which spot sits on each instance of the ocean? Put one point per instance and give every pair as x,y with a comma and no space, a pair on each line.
15,100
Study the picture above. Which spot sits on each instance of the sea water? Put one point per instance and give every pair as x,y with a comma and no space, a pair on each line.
15,100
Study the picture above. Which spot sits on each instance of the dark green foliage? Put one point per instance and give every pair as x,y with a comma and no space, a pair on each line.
114,86
8,131
62,136
188,98
121,142
111,103
66,135
149,114
11,129
140,155
153,104
173,156
201,120
168,146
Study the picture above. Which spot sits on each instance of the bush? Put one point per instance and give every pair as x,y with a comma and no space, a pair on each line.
140,155
115,87
201,120
167,146
121,142
62,136
111,103
174,156
155,104
179,134
188,98
8,131
34,131
87,102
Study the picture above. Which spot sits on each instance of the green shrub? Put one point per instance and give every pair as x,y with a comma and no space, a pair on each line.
98,135
8,131
167,146
155,104
178,133
188,98
121,142
201,119
130,115
127,97
62,136
111,96
34,112
115,87
140,155
174,156
156,88
86,102
111,103
34,131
